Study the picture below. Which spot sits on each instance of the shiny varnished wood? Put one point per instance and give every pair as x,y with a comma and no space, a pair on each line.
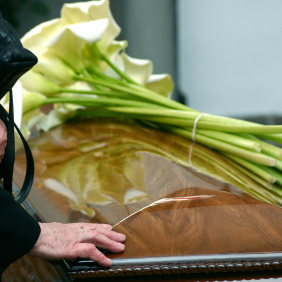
208,231
104,171
29,269
206,223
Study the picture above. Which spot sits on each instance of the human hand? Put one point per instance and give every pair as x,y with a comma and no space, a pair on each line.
68,241
3,139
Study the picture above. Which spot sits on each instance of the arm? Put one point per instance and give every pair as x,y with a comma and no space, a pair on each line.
18,230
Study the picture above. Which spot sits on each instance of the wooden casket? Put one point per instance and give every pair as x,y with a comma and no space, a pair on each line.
188,213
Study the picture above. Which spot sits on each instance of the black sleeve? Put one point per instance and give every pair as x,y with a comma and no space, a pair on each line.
18,230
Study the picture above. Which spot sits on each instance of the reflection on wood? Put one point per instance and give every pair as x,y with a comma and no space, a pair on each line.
101,171
29,269
221,224
215,231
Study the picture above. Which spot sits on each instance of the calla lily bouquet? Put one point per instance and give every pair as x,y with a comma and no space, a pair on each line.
84,71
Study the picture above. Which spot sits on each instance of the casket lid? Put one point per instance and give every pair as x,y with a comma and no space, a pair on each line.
160,190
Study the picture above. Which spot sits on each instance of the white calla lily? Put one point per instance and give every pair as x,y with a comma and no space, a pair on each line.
35,82
92,11
75,37
79,60
48,63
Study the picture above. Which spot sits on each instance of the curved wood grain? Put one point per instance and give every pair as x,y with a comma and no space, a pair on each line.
28,269
209,231
221,223
103,171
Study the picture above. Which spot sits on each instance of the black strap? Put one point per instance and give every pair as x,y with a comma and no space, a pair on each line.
7,164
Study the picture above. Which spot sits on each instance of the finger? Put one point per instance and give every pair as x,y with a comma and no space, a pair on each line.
118,237
90,251
115,236
107,226
102,241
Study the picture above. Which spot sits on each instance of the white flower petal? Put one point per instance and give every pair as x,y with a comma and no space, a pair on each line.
75,37
84,31
18,103
137,69
103,11
115,48
31,101
54,68
35,82
161,84
78,12
34,40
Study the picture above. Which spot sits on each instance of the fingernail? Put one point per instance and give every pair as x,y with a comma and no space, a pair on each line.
122,246
122,236
108,226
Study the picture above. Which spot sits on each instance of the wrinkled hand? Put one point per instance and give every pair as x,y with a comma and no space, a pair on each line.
3,139
68,241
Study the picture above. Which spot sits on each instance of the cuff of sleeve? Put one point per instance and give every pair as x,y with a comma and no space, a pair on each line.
19,230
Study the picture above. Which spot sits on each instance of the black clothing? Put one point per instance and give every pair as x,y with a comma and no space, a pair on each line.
18,230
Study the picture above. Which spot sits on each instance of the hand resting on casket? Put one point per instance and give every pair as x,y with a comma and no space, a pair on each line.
68,241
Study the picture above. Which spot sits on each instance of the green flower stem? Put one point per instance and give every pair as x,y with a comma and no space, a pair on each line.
95,92
117,70
92,102
232,139
95,73
271,150
264,191
273,172
277,189
240,174
152,97
87,74
278,165
266,148
227,148
277,138
268,196
96,112
268,176
210,124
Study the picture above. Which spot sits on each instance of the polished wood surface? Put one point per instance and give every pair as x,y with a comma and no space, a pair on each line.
105,171
197,230
207,222
29,269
